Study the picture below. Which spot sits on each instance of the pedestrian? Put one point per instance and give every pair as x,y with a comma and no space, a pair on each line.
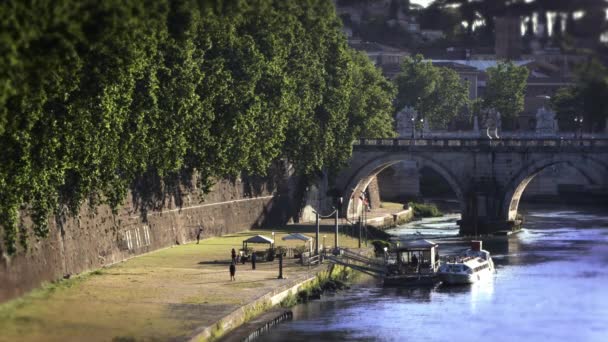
233,256
253,258
198,235
232,271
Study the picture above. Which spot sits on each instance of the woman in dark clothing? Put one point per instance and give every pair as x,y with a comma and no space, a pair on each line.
233,255
232,271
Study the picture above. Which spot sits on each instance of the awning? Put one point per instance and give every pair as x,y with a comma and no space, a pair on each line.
259,239
297,236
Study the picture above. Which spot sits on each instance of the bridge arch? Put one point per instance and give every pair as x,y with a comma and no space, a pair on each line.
361,178
516,186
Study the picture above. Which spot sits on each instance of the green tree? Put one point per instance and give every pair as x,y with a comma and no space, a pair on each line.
371,107
437,93
101,98
588,98
505,89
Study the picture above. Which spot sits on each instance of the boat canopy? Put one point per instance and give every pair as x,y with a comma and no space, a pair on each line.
414,245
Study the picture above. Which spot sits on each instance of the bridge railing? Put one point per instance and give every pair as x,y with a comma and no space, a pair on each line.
473,142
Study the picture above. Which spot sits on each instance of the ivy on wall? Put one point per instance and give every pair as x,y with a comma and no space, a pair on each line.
100,97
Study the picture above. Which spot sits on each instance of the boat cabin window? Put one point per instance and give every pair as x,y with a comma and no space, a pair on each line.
455,268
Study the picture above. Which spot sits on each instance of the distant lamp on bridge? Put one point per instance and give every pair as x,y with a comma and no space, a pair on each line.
578,123
422,127
413,127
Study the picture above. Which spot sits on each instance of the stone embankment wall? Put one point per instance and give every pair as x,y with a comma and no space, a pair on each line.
390,221
97,238
318,196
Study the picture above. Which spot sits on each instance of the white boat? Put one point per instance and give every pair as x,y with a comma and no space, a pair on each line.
474,265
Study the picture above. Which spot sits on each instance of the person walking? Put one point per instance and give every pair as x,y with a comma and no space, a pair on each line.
198,235
253,259
232,271
233,256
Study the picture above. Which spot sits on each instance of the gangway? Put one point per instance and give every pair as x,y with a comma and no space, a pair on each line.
359,262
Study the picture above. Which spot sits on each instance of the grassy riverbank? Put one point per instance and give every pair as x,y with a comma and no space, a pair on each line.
333,279
163,295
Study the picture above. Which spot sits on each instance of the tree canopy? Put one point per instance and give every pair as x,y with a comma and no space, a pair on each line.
588,98
437,93
99,98
505,89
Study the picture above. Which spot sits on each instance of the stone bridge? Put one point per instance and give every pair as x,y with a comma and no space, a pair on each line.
487,176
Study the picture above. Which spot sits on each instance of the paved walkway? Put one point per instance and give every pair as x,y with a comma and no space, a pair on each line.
163,295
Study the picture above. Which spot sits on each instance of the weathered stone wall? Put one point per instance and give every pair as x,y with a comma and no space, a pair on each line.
95,239
399,181
374,193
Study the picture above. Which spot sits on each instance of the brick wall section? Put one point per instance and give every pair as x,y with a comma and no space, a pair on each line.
92,240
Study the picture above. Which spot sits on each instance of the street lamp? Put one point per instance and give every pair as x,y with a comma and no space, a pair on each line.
413,127
422,129
578,122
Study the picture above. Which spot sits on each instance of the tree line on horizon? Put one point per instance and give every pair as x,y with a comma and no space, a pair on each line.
100,97
439,95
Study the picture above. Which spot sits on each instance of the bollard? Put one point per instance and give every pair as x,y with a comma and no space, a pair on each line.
280,266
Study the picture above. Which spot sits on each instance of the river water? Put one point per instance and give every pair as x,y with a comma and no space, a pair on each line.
551,284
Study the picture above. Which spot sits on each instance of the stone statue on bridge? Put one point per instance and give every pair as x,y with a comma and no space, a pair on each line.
492,123
546,124
405,122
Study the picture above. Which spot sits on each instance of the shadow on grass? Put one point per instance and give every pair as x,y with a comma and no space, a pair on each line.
345,228
215,262
228,282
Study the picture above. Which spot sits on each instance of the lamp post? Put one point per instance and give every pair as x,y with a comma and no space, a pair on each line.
413,127
273,240
578,123
336,232
422,128
316,233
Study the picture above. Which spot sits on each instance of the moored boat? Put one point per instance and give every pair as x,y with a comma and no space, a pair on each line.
474,265
412,263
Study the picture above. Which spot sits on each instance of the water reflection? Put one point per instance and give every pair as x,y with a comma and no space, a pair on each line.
550,285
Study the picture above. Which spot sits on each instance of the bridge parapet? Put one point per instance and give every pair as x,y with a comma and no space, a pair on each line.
510,144
488,176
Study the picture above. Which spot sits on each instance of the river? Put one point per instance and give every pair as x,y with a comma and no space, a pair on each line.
551,284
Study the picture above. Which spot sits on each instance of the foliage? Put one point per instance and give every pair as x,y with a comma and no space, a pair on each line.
505,89
425,210
280,250
588,98
299,250
324,281
437,93
375,96
379,246
100,98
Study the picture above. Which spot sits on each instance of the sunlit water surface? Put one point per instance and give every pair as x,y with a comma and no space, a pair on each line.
551,285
